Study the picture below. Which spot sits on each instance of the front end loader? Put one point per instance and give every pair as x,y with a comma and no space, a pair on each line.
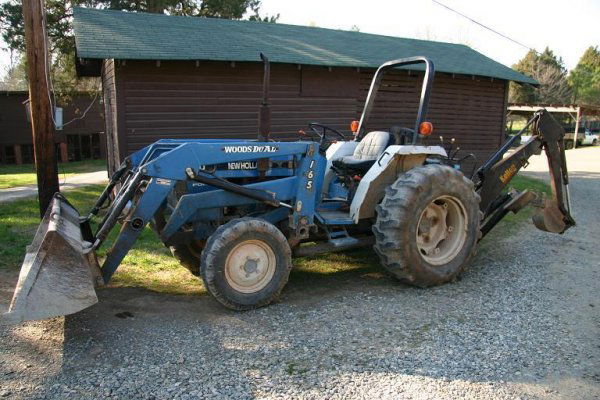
235,212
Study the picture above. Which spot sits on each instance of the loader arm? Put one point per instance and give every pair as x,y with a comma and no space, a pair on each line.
554,214
61,270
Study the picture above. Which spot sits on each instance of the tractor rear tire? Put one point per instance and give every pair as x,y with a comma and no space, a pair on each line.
427,225
246,263
188,254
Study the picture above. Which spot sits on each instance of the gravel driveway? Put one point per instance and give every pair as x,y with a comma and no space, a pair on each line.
523,322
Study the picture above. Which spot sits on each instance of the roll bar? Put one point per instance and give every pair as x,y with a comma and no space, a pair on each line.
376,82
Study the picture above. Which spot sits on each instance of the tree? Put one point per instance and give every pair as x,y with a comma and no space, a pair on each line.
59,25
59,15
585,78
16,76
554,87
549,70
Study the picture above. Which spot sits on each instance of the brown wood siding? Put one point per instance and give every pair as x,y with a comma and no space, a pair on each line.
110,114
15,129
218,100
93,122
471,110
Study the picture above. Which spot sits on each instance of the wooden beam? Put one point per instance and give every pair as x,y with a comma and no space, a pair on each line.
576,127
64,152
18,154
41,109
552,109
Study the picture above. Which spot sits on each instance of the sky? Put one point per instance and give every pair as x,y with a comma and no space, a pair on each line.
568,28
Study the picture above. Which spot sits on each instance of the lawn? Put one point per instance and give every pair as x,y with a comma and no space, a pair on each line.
150,264
21,175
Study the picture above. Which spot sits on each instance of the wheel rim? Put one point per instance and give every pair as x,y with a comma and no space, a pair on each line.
442,230
250,266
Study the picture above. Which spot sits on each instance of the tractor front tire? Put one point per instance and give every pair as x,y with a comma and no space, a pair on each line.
427,225
246,263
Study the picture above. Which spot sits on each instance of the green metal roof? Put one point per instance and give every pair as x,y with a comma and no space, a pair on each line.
106,34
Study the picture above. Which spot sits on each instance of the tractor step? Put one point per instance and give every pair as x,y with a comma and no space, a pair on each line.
343,242
334,217
329,247
339,238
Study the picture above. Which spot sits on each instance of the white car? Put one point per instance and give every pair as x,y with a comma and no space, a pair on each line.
584,137
589,139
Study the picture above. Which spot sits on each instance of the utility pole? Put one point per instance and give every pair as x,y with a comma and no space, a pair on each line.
39,95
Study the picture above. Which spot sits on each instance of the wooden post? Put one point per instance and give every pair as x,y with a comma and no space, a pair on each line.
39,96
576,127
18,154
64,152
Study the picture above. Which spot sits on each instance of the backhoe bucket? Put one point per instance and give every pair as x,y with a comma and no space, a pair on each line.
549,218
58,274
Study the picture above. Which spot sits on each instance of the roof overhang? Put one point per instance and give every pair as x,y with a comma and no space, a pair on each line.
88,66
119,35
554,108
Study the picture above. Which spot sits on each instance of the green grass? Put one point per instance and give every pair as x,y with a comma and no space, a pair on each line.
335,268
21,175
512,221
150,264
517,125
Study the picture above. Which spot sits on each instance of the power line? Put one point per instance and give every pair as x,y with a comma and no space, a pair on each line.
484,26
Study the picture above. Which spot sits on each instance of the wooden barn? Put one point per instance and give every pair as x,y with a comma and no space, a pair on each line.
187,77
82,139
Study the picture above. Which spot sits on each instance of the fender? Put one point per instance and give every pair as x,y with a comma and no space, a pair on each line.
395,160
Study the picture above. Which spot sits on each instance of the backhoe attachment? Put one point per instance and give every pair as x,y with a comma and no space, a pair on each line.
552,214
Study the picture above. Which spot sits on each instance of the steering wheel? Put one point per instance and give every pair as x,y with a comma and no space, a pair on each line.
321,131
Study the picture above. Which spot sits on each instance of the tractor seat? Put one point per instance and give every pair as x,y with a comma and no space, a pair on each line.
368,150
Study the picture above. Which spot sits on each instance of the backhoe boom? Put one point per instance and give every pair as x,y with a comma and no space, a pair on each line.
553,215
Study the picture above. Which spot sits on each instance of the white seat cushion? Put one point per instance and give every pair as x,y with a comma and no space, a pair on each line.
371,146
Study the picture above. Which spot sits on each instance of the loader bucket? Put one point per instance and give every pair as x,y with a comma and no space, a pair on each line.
58,274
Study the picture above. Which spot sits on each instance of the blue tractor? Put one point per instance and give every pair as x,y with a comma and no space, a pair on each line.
235,212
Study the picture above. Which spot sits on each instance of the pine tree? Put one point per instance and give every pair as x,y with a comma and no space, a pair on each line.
549,70
585,78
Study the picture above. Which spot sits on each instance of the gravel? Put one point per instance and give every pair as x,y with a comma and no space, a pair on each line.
523,322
